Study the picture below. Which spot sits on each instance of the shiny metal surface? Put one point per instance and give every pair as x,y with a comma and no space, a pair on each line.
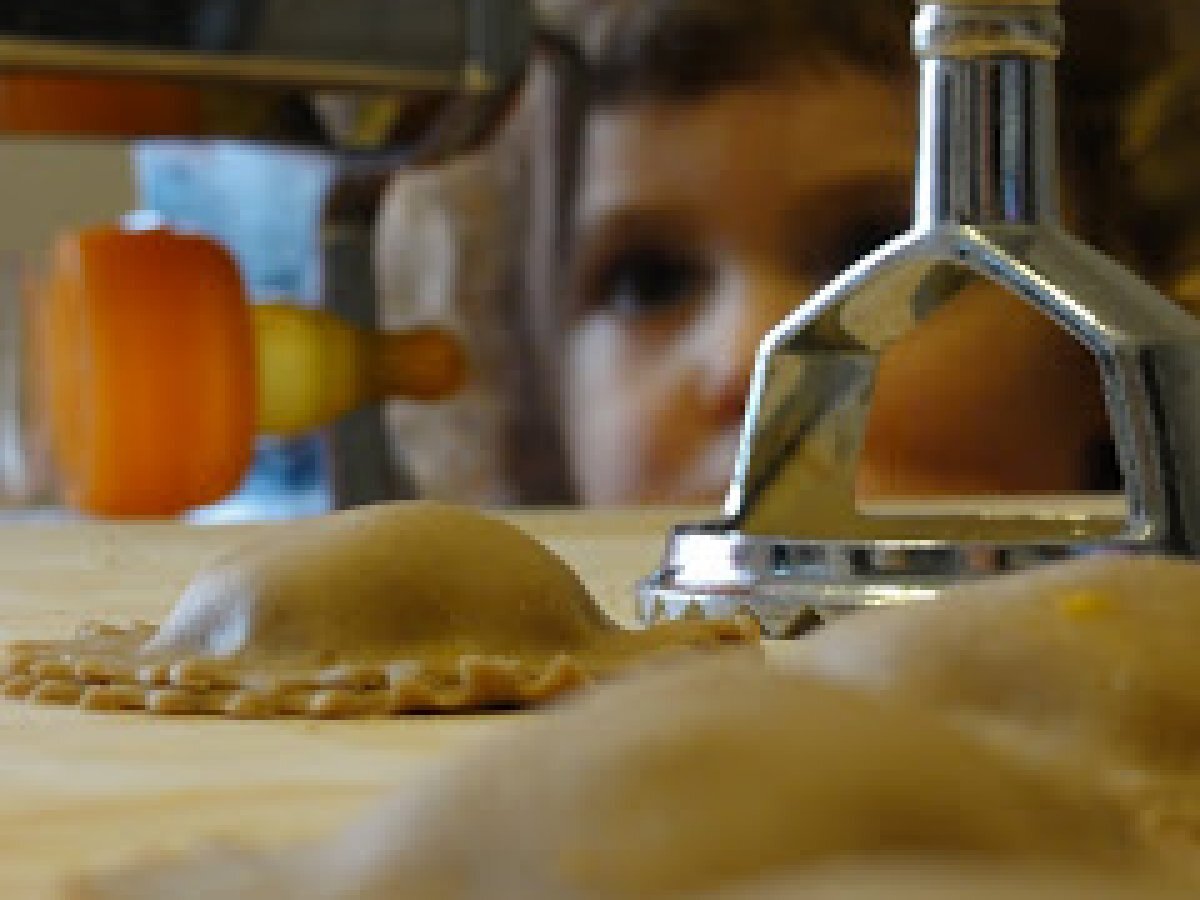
362,74
793,538
791,586
944,31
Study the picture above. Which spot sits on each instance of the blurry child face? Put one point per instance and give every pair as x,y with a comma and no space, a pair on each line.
699,226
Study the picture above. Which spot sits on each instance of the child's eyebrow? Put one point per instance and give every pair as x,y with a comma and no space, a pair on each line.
886,194
853,190
625,223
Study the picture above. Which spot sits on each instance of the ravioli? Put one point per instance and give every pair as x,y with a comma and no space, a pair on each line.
1092,662
701,777
1091,654
384,610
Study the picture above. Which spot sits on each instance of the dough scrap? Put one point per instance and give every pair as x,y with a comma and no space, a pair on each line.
1092,654
691,779
1093,663
383,610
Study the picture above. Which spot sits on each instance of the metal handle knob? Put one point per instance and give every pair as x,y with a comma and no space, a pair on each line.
980,29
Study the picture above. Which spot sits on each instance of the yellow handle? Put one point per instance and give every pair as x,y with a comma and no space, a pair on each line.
311,368
314,367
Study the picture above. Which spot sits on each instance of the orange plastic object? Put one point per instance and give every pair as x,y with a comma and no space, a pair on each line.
145,348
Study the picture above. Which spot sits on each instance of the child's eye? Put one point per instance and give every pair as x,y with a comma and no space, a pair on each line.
647,280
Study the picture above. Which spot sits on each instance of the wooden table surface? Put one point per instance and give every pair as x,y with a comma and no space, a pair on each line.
84,790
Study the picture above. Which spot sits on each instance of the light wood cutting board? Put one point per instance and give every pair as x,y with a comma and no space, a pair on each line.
90,791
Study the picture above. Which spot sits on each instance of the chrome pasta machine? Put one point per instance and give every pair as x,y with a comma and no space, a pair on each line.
793,545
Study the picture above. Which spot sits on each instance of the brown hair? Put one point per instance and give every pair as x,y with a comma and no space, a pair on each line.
631,51
677,50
